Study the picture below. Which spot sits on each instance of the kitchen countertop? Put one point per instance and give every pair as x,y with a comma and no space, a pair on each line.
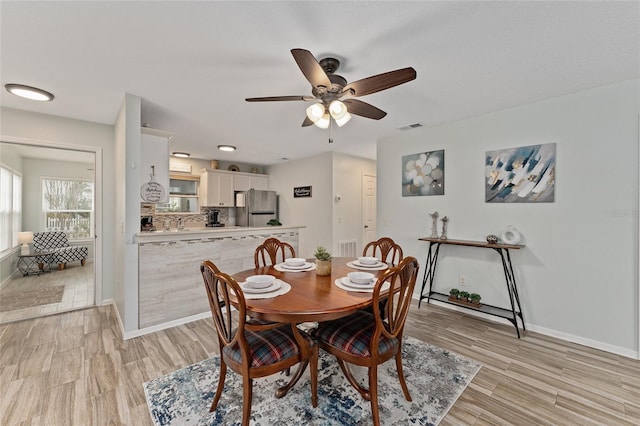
180,234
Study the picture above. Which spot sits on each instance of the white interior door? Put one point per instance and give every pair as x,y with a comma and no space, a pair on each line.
368,208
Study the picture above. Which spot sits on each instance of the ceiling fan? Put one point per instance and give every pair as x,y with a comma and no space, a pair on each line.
333,96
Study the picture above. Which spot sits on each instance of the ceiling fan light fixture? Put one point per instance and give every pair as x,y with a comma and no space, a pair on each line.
342,121
337,110
324,121
29,92
227,148
315,112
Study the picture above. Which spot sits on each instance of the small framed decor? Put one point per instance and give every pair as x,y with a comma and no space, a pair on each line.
521,175
302,192
423,174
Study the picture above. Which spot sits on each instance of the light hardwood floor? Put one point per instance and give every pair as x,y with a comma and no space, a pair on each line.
75,369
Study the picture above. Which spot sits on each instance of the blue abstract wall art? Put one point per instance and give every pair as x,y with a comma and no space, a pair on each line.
521,175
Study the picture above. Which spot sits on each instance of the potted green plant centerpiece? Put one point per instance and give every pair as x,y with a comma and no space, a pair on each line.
323,261
463,296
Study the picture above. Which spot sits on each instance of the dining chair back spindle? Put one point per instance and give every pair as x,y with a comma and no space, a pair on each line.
386,249
369,339
253,350
272,251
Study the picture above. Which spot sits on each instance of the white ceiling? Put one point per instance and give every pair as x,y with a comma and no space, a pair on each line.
193,63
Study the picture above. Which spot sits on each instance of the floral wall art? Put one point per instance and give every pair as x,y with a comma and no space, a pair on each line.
521,175
423,174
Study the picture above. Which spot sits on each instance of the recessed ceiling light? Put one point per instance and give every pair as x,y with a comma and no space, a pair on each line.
228,148
181,154
29,92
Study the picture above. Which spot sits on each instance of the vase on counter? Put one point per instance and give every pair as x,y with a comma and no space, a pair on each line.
323,267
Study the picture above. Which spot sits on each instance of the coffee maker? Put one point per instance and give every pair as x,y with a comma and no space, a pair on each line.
212,219
146,224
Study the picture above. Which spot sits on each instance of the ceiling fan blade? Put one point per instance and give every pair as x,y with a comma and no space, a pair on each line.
363,109
311,68
380,82
280,98
307,122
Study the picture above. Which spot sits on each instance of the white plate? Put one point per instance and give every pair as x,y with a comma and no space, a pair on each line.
273,287
295,268
368,265
348,283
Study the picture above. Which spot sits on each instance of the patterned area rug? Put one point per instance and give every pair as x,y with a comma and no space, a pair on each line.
435,377
10,301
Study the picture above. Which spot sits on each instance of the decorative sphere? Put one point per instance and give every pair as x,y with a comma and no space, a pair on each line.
492,239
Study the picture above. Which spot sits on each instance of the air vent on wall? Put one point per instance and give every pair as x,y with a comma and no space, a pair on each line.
410,126
347,248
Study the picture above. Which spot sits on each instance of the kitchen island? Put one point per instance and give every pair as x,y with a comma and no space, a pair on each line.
169,279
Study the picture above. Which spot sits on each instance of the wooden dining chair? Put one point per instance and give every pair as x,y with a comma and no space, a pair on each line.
267,253
386,249
366,339
254,350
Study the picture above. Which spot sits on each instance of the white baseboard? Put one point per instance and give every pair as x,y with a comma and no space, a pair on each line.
158,327
126,335
629,353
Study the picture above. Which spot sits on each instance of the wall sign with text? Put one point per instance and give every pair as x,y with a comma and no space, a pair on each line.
301,191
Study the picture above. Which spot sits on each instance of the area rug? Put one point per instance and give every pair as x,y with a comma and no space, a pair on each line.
435,377
13,300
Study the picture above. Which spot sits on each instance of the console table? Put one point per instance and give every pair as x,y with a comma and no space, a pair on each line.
503,250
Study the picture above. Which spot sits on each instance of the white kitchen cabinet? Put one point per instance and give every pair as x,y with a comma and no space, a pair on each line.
154,151
245,182
216,189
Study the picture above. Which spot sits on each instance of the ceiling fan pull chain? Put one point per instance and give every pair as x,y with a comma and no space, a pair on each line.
330,130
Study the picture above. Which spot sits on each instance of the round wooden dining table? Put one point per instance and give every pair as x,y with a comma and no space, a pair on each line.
312,298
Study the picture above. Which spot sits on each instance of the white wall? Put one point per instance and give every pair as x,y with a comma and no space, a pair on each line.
578,275
314,212
329,174
127,199
47,130
9,157
347,183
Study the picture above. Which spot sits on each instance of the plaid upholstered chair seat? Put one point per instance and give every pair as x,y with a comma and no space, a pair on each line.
58,243
266,347
353,334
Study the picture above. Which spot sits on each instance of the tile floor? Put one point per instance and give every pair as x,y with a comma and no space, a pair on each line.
79,291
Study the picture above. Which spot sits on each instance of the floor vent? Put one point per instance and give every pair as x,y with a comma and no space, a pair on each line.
347,248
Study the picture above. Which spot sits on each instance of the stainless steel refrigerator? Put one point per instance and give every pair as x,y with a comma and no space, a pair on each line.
256,208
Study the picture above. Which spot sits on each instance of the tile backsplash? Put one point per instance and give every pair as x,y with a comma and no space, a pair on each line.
191,220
